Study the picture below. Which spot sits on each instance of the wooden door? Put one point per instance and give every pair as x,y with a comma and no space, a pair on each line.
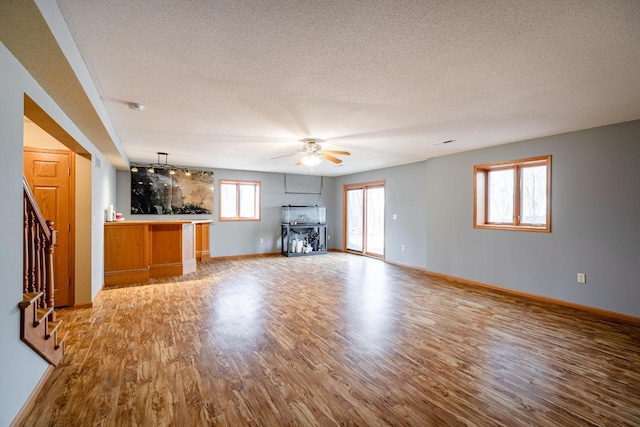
50,176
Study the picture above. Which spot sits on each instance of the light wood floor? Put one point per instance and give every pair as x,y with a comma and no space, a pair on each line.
336,340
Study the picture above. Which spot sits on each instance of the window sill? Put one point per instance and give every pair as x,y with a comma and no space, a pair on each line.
542,229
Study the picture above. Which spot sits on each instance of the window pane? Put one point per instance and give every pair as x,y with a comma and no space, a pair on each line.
354,219
534,195
375,220
228,201
513,195
247,201
501,196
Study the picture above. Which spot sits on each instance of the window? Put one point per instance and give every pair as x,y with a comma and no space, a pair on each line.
239,201
513,195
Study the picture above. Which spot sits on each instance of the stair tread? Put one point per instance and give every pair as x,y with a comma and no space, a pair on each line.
41,314
52,326
62,341
28,298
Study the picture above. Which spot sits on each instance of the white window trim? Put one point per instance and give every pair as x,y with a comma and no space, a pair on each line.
257,201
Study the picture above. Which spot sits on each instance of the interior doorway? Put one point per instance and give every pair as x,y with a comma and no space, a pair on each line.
364,218
50,175
43,132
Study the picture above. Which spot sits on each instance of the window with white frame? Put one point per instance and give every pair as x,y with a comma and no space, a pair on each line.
239,201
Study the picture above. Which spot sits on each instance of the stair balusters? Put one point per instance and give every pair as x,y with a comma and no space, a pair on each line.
39,243
38,328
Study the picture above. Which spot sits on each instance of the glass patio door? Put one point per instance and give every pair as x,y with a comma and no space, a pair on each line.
364,219
355,220
374,224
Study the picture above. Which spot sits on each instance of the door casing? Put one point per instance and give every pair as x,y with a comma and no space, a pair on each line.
364,186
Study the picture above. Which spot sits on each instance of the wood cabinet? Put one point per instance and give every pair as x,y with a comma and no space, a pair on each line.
138,250
203,252
126,253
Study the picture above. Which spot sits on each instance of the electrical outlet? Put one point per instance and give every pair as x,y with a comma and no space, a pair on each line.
395,216
329,237
261,240
582,278
404,248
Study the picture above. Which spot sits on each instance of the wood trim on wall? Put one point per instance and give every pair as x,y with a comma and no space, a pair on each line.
378,183
245,256
80,306
517,166
32,399
72,228
586,308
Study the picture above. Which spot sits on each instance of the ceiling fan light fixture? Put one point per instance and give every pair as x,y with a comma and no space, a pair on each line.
313,154
311,160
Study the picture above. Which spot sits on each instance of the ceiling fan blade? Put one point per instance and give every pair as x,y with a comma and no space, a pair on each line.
299,162
341,153
331,158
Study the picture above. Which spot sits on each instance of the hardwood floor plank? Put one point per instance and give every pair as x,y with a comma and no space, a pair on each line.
336,340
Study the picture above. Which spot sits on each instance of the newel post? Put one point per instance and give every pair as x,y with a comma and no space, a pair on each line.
50,247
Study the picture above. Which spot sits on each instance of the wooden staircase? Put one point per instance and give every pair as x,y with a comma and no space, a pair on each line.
39,328
40,333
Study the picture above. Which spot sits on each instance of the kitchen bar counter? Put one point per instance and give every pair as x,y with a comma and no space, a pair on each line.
138,250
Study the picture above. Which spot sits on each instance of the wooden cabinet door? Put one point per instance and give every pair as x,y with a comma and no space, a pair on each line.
202,241
49,174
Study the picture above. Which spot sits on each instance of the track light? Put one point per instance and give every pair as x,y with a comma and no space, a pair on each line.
163,167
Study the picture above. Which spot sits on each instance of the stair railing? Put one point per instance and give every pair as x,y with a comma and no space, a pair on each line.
38,245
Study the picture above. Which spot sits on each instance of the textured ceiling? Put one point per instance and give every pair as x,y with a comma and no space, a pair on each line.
231,84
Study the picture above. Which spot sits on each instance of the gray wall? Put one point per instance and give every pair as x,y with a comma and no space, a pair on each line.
241,237
405,196
595,219
21,368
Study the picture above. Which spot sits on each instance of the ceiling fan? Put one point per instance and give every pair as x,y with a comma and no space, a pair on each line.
313,153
